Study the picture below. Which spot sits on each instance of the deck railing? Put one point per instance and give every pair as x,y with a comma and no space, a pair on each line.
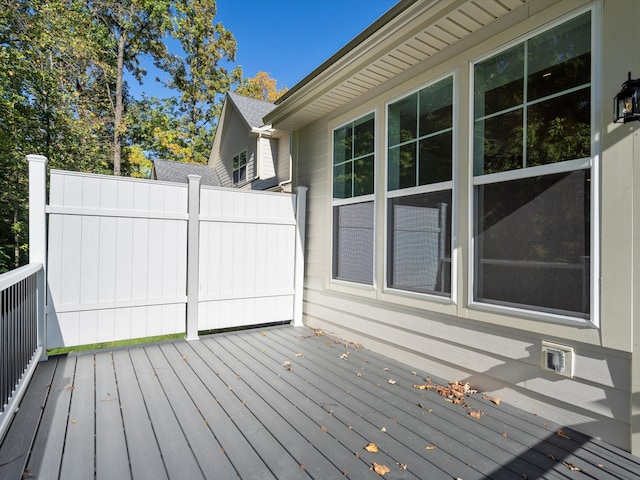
20,348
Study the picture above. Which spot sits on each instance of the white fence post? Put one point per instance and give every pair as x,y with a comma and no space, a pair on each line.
38,237
301,208
193,257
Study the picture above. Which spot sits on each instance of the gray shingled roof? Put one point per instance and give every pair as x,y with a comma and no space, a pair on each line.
251,109
170,171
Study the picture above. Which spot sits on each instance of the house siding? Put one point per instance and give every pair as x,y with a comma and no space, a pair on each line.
235,140
499,354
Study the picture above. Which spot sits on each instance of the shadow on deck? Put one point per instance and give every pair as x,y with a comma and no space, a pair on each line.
281,403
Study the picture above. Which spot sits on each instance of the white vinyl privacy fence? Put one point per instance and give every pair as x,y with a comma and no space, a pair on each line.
130,258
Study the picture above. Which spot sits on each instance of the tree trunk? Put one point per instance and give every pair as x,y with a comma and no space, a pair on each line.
119,111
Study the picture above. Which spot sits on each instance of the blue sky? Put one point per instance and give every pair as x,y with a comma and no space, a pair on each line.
286,38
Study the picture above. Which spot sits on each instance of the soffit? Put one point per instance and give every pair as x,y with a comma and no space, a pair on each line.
400,40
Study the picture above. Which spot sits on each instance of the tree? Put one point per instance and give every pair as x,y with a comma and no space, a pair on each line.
261,87
200,77
136,27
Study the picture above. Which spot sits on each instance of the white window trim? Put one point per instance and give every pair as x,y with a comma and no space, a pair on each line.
593,163
337,202
246,166
453,185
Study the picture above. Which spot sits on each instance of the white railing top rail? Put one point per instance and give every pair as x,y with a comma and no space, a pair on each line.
12,277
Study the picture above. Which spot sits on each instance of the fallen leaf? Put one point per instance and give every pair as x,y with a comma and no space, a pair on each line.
371,447
392,381
421,406
491,399
324,429
430,447
264,334
70,388
344,356
74,421
379,469
476,414
317,331
358,374
551,457
302,467
403,466
560,433
572,467
386,369
287,365
357,455
504,434
414,374
383,430
299,355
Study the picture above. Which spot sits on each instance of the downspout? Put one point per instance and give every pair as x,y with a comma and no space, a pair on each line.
289,180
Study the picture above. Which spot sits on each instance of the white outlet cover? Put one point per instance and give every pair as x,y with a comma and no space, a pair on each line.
569,356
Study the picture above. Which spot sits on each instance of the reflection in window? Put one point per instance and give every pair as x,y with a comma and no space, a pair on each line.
353,159
420,137
532,102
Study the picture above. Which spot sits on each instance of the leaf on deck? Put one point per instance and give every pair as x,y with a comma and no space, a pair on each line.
491,399
371,447
379,469
560,433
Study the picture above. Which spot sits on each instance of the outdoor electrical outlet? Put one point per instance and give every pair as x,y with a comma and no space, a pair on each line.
557,358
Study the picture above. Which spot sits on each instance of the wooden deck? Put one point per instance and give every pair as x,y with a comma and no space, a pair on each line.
281,403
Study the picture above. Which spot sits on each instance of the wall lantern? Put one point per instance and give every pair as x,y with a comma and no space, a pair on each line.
626,104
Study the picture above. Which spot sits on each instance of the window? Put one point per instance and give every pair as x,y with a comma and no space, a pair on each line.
532,173
240,167
420,190
353,206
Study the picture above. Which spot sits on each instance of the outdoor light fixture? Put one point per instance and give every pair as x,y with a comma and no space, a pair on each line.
626,104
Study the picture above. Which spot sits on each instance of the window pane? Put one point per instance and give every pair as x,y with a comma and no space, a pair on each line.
435,159
353,242
243,158
402,166
559,129
363,176
236,161
499,82
342,176
532,243
242,174
436,107
363,131
420,243
342,144
498,143
403,120
559,59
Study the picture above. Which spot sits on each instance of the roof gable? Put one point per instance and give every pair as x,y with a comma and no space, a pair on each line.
250,109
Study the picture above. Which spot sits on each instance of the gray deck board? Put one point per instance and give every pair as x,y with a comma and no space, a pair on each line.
142,446
230,406
111,446
15,447
79,447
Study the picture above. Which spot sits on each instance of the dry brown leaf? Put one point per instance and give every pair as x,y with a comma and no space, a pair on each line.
344,356
421,406
317,331
357,455
358,374
476,414
70,388
504,434
74,421
324,429
491,399
572,467
379,469
371,447
403,466
392,381
560,433
264,334
386,369
430,447
551,457
299,355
